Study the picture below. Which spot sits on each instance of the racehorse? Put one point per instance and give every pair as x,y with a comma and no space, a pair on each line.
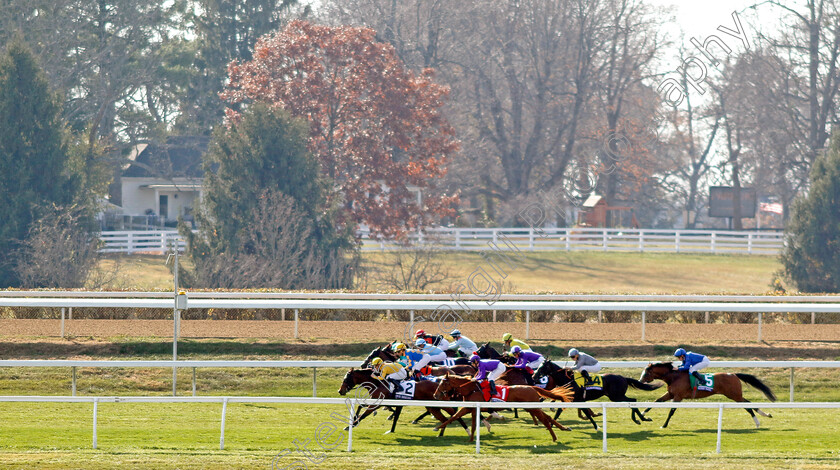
487,352
470,391
613,386
679,387
424,390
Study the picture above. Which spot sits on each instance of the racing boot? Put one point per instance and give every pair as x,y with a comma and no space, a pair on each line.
586,378
700,380
530,379
492,387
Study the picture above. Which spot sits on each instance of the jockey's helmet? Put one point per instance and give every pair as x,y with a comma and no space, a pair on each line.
377,362
507,337
474,358
399,347
515,350
573,352
679,352
455,333
420,343
419,333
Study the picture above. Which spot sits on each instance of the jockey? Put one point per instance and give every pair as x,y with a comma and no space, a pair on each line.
464,345
430,353
393,372
438,340
489,369
528,361
584,363
399,351
692,362
510,341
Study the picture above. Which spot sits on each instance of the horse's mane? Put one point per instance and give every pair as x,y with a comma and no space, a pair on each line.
669,365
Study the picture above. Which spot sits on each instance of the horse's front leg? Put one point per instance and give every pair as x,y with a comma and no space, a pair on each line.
671,413
452,418
665,397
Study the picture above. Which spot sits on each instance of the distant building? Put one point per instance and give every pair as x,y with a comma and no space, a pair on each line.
163,181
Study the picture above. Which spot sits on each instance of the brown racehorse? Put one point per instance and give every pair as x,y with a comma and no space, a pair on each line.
378,389
470,391
679,387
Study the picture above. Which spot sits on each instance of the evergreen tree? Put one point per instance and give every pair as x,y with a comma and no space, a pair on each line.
263,204
811,257
33,153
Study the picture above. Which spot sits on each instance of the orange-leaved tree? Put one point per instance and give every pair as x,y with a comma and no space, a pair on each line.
376,127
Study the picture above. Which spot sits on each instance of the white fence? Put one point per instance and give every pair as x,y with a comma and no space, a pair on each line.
141,241
186,364
525,239
350,403
441,311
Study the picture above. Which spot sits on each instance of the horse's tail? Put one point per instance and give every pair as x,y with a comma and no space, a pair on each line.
563,393
753,380
641,385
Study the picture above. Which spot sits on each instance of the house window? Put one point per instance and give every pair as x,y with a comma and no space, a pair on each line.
164,206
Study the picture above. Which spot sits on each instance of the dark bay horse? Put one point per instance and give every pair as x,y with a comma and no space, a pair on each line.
679,387
424,390
613,386
470,391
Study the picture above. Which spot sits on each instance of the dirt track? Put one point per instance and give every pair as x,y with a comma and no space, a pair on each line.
382,330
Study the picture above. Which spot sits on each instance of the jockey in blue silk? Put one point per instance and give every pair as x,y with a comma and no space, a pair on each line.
528,361
692,362
430,353
464,345
489,369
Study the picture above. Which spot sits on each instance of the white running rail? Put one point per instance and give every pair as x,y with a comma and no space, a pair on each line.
352,403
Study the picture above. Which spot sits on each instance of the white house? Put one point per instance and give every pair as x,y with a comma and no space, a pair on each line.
164,179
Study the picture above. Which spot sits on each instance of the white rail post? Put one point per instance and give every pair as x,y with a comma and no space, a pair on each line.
70,313
314,382
130,243
95,409
749,243
604,235
494,316
531,238
411,319
457,238
813,318
707,317
528,324
350,431
641,241
224,415
477,428
62,322
714,247
759,326
600,316
296,323
282,314
791,384
568,242
74,380
604,425
644,324
193,382
677,241
720,426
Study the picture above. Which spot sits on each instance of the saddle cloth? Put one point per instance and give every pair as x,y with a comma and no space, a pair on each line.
501,392
595,381
707,385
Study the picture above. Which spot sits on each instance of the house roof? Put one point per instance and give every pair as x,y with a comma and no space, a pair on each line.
592,200
179,156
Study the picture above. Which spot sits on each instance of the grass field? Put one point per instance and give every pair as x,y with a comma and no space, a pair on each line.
561,272
42,435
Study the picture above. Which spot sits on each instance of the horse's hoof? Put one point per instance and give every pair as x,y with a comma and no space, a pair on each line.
346,428
646,419
415,422
387,432
390,418
769,415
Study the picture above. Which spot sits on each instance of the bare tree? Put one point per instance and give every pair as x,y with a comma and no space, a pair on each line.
415,268
60,251
278,251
